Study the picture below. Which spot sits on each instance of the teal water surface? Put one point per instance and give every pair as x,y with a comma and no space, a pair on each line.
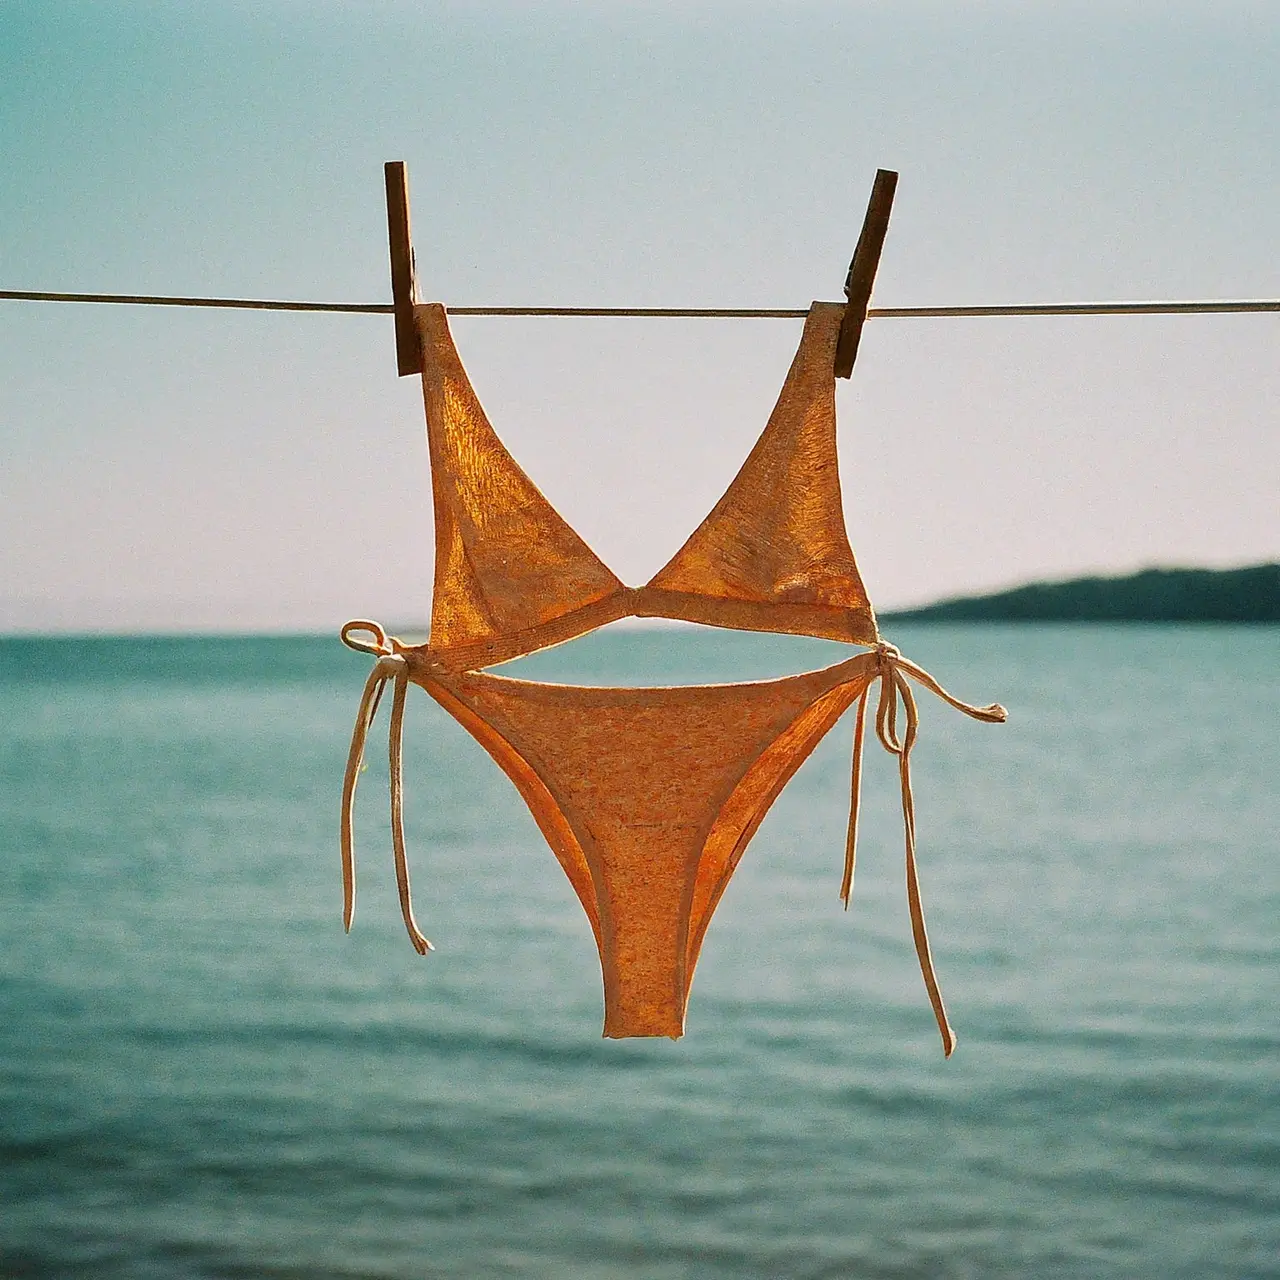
201,1076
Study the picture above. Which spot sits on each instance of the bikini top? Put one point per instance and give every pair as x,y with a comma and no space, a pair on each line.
512,577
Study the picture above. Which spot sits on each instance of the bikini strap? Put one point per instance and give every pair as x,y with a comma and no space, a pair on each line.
392,668
891,670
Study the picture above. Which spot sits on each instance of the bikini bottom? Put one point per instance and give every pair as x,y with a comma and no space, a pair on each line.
648,797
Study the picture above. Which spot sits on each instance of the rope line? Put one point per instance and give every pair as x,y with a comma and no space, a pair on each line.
1200,307
152,300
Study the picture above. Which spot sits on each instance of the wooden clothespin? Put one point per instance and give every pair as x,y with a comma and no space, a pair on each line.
404,282
862,270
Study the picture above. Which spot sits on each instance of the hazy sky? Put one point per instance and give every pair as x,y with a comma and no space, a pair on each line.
178,469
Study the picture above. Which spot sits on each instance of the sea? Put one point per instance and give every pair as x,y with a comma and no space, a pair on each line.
201,1075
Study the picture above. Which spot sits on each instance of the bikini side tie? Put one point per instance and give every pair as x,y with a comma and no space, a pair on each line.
890,669
391,667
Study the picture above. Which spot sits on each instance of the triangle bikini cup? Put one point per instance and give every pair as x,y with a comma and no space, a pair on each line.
647,797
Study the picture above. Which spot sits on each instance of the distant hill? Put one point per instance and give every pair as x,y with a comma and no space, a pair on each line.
1154,595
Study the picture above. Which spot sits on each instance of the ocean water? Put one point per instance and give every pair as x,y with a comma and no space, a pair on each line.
201,1076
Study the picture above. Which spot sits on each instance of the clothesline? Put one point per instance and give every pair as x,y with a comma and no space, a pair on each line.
1196,307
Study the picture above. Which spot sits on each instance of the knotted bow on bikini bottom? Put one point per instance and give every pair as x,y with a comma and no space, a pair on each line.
391,666
892,670
648,797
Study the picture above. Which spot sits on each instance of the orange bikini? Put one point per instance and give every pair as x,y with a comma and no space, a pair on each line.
647,797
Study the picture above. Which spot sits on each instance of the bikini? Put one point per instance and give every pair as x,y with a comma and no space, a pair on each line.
647,796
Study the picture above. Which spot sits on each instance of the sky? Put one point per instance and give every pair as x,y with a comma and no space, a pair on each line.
208,470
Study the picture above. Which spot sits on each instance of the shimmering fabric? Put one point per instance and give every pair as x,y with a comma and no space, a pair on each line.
511,576
647,797
774,555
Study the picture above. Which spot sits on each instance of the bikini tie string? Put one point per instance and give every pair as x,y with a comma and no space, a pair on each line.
892,670
392,668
